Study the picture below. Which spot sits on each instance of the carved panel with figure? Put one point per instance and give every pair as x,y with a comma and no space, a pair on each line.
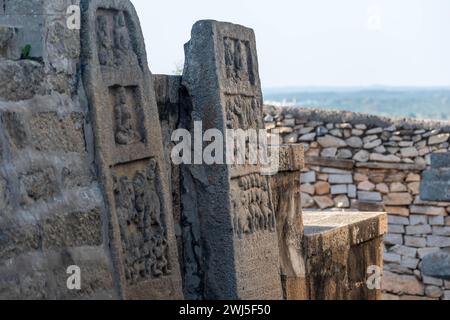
251,205
113,39
128,127
243,112
143,234
238,60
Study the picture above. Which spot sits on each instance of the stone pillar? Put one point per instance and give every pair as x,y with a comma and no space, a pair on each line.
233,249
285,194
129,156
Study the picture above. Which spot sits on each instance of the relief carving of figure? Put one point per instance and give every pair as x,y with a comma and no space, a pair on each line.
160,266
105,44
229,57
239,67
252,208
125,134
143,235
122,45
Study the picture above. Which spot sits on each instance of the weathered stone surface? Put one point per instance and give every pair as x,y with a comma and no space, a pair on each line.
341,201
398,211
396,166
373,144
20,80
418,230
221,77
398,199
435,183
382,158
405,251
308,188
340,179
437,264
344,154
433,292
415,220
354,142
383,188
307,201
369,196
331,163
308,177
438,139
402,284
437,241
331,142
339,241
322,188
130,154
285,188
428,210
415,242
362,156
393,239
324,202
366,186
396,229
409,152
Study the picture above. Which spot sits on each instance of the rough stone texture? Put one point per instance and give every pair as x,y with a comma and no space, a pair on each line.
285,188
52,209
340,247
129,151
241,260
437,264
435,181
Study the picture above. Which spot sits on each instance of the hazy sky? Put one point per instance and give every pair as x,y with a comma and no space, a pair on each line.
317,42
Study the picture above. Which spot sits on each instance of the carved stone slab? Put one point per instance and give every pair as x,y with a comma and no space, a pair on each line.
232,202
130,160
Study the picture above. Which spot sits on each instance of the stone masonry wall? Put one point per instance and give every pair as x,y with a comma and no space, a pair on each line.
368,163
51,205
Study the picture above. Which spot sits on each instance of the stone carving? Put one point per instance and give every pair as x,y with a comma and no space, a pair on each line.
251,206
125,122
238,60
236,221
243,112
130,155
105,44
143,235
113,39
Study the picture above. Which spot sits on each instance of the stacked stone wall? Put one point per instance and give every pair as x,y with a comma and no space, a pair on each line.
369,163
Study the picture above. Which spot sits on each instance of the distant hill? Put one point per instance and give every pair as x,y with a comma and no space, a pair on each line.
399,102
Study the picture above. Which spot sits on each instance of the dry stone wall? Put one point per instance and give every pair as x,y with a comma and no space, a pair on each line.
368,163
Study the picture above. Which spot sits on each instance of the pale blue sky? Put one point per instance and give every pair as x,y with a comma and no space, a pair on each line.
317,42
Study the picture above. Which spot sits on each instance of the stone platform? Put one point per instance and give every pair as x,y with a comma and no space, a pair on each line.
342,251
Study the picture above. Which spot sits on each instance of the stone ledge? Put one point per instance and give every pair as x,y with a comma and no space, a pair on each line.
396,166
328,223
330,162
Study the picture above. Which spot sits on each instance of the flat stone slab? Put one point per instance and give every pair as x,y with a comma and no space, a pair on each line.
340,249
329,222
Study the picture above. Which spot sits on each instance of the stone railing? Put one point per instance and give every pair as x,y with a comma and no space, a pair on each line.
369,163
